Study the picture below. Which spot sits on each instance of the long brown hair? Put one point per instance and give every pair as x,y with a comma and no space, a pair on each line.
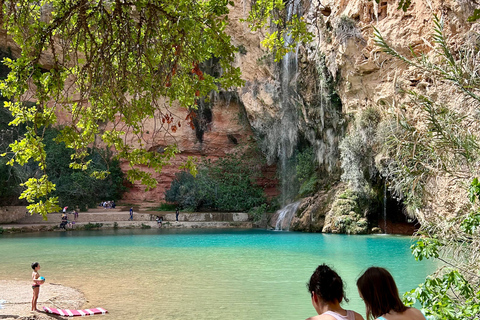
379,292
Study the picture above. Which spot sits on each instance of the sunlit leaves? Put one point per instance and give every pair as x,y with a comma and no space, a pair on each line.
290,28
111,63
425,248
449,296
475,16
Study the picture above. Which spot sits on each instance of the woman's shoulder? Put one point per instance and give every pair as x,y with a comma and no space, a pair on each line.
414,314
331,317
409,314
358,316
323,317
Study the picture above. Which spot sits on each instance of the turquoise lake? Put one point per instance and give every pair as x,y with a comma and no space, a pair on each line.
205,274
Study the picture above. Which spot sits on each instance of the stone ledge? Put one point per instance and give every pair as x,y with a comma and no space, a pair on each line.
13,228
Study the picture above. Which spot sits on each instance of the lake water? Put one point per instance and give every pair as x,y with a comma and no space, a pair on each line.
204,274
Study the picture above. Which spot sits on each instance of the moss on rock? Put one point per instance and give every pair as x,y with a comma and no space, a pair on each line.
345,215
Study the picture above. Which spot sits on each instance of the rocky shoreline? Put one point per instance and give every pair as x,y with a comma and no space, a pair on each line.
16,297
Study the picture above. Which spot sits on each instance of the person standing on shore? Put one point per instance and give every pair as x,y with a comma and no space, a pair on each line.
176,214
35,285
131,214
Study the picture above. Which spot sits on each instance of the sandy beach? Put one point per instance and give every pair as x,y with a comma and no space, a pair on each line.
16,297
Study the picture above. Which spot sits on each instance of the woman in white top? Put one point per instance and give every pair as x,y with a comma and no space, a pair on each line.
380,294
326,289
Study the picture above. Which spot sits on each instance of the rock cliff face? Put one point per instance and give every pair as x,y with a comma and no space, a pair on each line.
222,132
341,73
308,98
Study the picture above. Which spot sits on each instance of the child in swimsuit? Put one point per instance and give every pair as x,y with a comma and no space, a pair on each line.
35,285
326,289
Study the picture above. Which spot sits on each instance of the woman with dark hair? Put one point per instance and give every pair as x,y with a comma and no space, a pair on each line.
380,294
326,289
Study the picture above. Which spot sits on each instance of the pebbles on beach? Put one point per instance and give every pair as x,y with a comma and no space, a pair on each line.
16,298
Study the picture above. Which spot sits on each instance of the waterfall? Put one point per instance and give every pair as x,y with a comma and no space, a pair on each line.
288,128
285,216
385,208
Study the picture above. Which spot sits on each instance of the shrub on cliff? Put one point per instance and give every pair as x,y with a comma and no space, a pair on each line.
306,171
348,214
357,151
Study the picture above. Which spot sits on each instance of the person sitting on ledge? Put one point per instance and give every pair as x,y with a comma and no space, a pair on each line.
159,221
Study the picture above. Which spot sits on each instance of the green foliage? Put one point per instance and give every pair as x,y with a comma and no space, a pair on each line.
305,166
309,186
425,248
121,59
78,188
166,207
115,225
290,30
9,183
146,226
227,184
258,212
306,171
436,297
1,230
91,226
474,190
475,16
453,291
346,214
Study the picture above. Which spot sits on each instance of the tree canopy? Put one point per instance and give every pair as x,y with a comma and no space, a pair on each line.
109,62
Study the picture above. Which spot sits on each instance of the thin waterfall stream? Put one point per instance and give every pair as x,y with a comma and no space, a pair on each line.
385,208
285,216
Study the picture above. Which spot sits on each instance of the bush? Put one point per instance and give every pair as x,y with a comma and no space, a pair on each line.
90,226
77,188
306,172
227,184
258,212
